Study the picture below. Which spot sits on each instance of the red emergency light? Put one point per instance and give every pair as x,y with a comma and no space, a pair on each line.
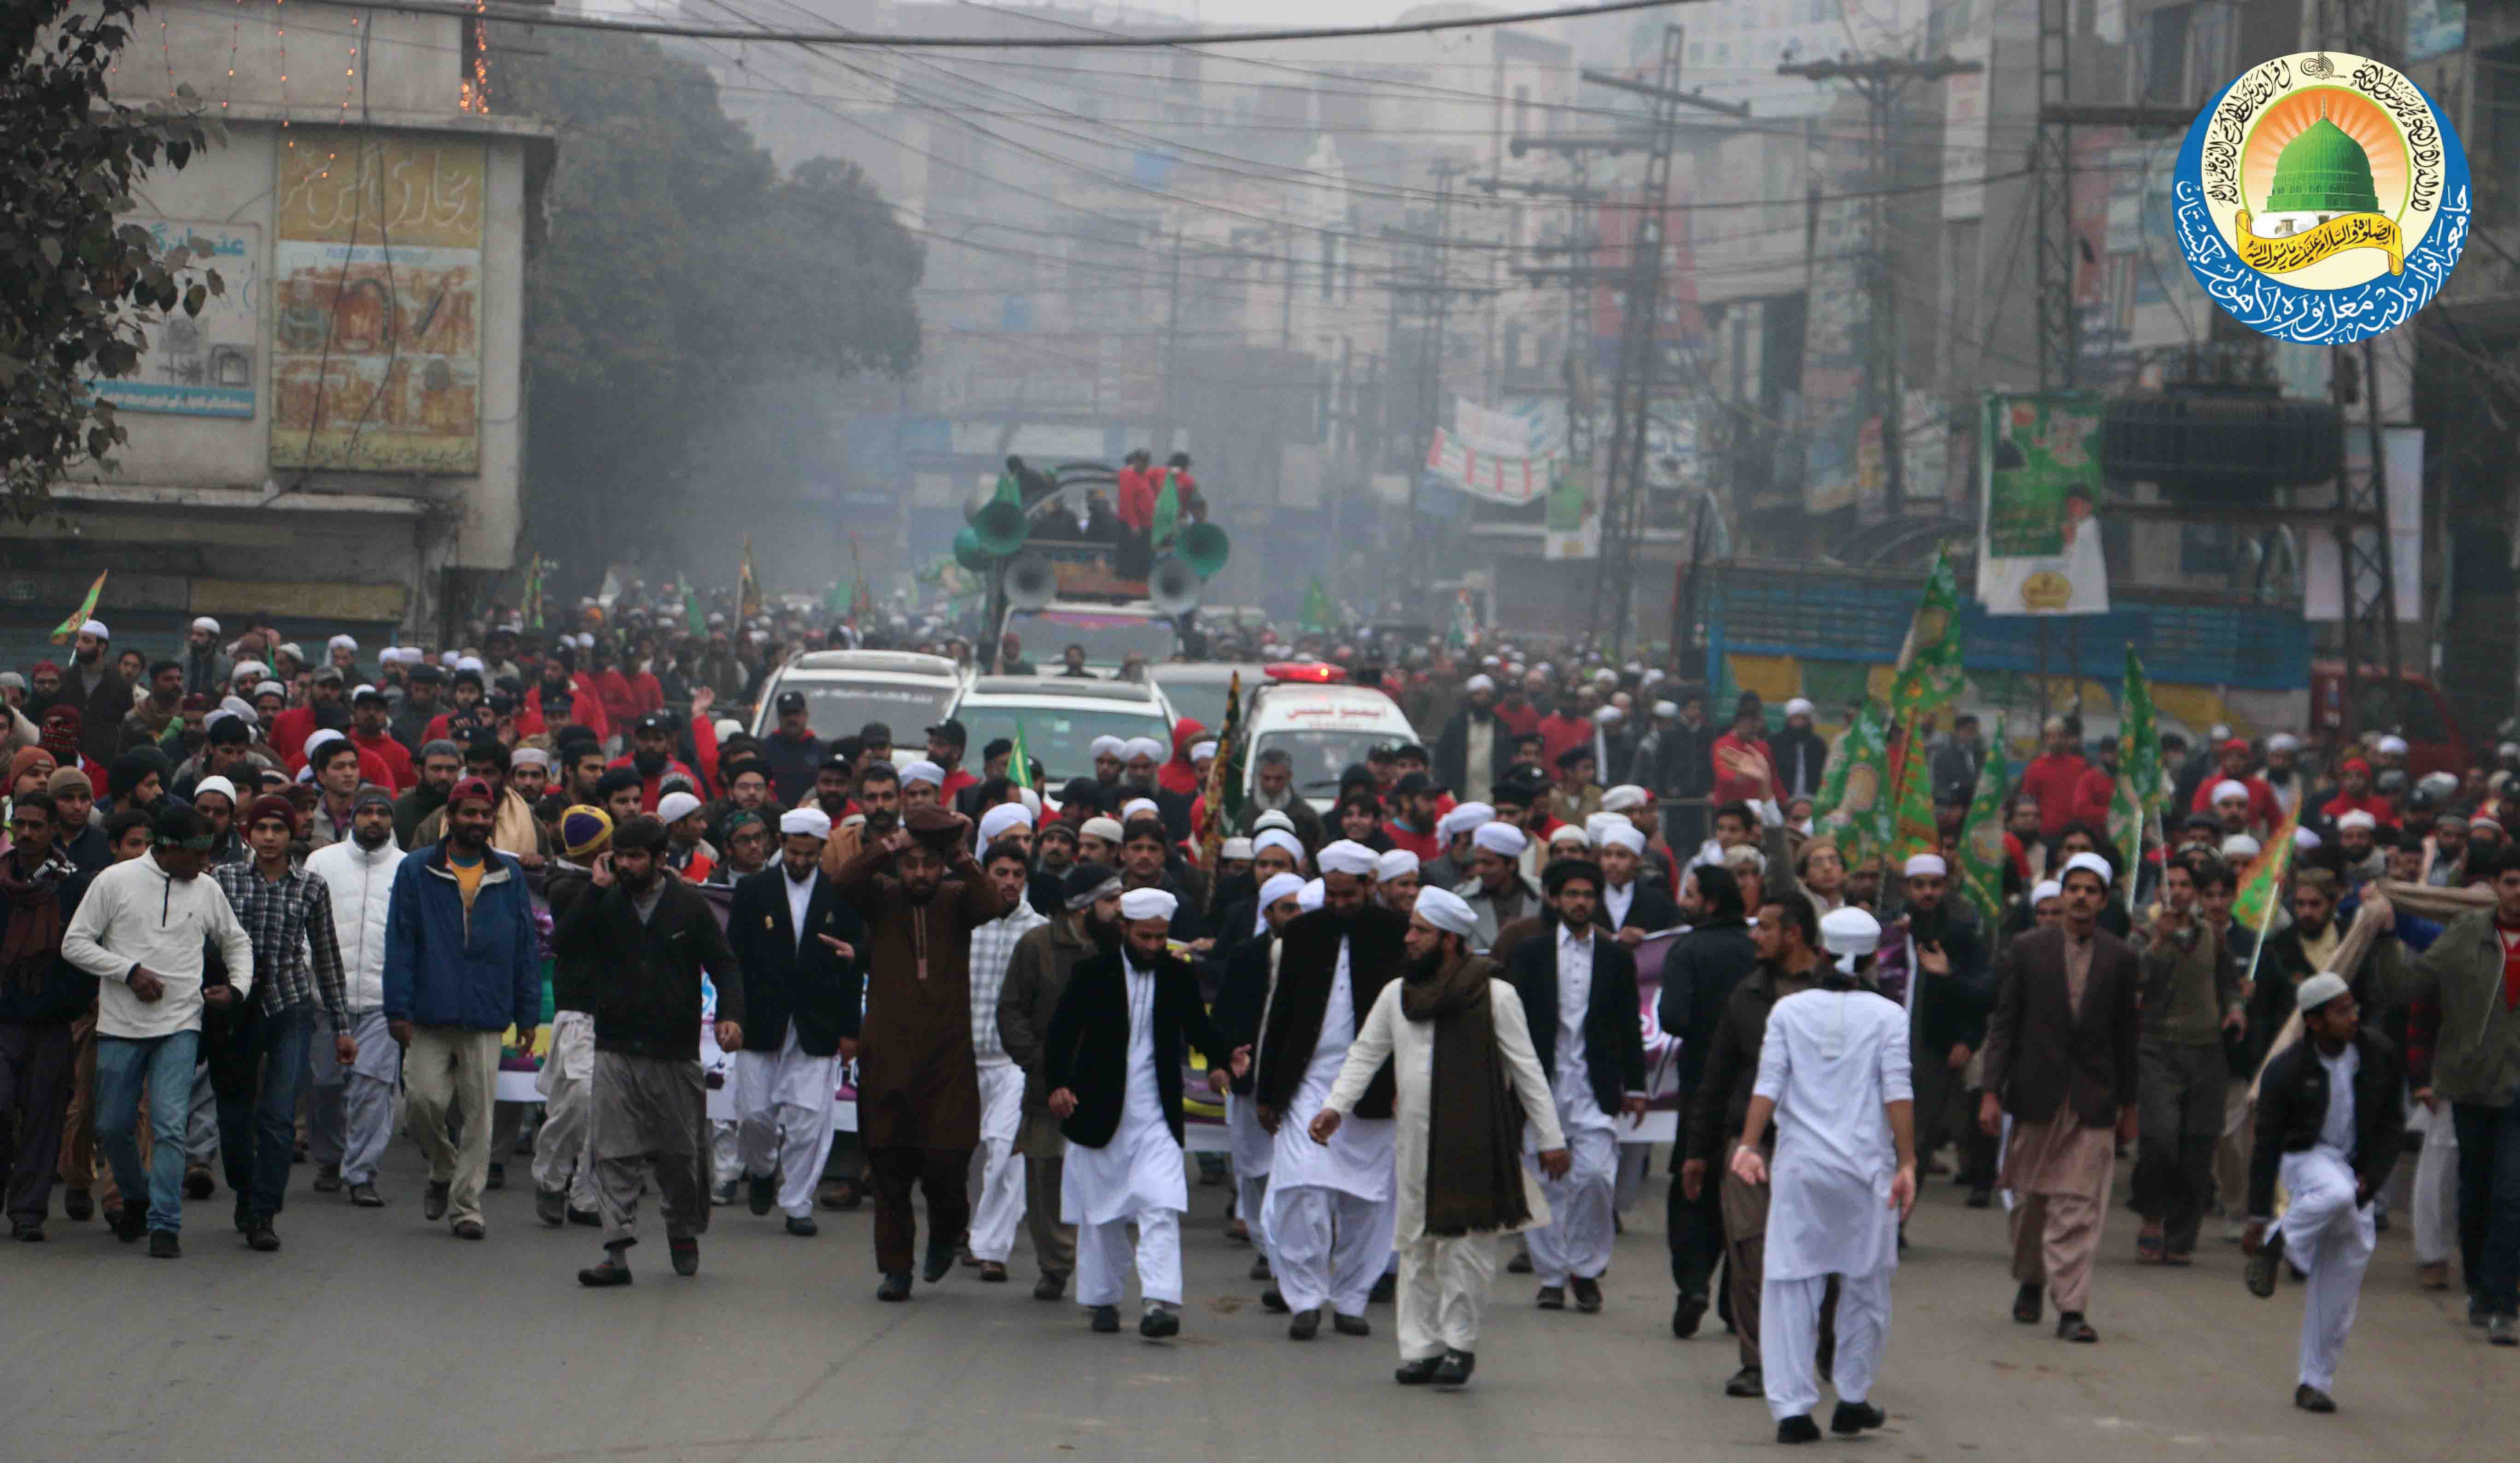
1318,672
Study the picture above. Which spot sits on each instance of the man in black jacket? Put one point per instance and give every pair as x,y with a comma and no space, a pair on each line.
2331,1121
1579,991
652,934
1475,746
1632,907
41,995
1114,1065
792,751
1932,962
797,942
1699,974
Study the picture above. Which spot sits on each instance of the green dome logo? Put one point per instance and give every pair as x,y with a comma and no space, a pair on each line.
2322,171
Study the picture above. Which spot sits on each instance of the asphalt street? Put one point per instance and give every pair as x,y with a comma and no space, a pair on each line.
376,1336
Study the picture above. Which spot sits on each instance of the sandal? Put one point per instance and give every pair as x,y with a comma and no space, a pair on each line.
2151,1249
2072,1327
2178,1259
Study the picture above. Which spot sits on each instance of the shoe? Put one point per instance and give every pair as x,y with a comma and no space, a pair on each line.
26,1231
760,1194
1520,1264
1306,1325
993,1272
2310,1399
162,1244
895,1287
2260,1273
260,1236
78,1205
2150,1248
586,1217
498,1179
1851,1418
131,1221
2502,1331
1351,1325
1238,1231
469,1229
244,1215
1588,1294
1454,1369
2477,1315
803,1227
614,1270
2178,1259
551,1206
1684,1316
1272,1301
1748,1382
1385,1292
940,1262
964,1256
1980,1196
1106,1319
327,1178
1259,1269
2027,1302
198,1183
432,1207
2070,1326
2434,1276
840,1195
1551,1298
686,1255
1799,1429
1418,1373
1049,1287
1159,1322
722,1195
365,1196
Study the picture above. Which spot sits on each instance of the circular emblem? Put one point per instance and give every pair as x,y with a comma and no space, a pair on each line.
2322,199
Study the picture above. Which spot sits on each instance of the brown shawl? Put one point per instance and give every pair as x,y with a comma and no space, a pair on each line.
1474,1120
36,924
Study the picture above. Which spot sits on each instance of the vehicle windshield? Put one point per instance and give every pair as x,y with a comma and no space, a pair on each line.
1059,738
1109,638
1202,700
840,709
1320,756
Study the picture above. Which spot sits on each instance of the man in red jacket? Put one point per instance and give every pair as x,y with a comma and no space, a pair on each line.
291,727
1137,492
369,715
1743,771
1564,728
2233,758
2353,795
2055,776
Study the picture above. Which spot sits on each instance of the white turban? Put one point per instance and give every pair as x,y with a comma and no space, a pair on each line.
1624,797
1233,848
1106,829
1000,818
1145,746
923,770
1202,751
1394,864
1309,897
342,642
1464,817
1445,910
530,756
1273,818
674,808
2092,863
805,822
2304,839
1278,838
2229,787
1031,801
1666,710
2390,747
1608,716
97,628
1137,808
269,688
1480,682
1147,904
1926,867
725,727
2284,742
1110,747
1625,835
472,664
214,784
2049,888
1346,856
318,742
1570,833
2357,818
1798,708
1281,887
205,622
2240,846
1502,839
249,671
1849,933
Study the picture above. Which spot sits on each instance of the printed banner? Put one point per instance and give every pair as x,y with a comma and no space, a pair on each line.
1491,432
200,365
1511,481
2039,529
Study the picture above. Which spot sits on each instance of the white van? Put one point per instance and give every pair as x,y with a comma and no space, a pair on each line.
845,689
1311,714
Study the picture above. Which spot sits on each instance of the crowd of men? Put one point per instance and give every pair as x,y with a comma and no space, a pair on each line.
263,907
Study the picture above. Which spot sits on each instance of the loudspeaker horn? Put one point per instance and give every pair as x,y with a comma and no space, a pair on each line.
969,553
1203,547
1173,585
1031,583
1001,528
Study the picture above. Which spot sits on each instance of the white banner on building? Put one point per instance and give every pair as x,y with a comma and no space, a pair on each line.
2322,571
1491,432
1512,480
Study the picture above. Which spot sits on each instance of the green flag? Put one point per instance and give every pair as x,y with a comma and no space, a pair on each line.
1167,519
1982,855
691,612
1020,760
85,612
2142,787
1929,664
1912,829
1854,805
1318,614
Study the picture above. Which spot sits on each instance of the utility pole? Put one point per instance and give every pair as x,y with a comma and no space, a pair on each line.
1879,80
1439,289
1172,346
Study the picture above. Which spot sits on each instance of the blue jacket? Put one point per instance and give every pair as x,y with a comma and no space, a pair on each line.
481,971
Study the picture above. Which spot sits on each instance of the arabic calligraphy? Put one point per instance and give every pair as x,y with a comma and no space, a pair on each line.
2317,317
2288,254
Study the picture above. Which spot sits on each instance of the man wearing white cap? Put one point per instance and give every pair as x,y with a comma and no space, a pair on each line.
1330,1210
1112,1061
1454,830
1833,1076
2331,1123
799,943
1453,1037
1496,891
1631,908
2060,1061
1109,759
1241,1000
1798,756
1466,749
103,696
1001,1206
1396,880
207,670
1932,967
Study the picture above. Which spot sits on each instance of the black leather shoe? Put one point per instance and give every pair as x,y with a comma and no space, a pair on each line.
1049,1287
1748,1382
2311,1400
1106,1319
940,1262
1851,1418
612,1272
1260,1268
1684,1316
1159,1322
2028,1304
1588,1294
259,1235
1351,1325
130,1222
551,1206
1454,1369
1384,1290
433,1205
1306,1325
162,1244
586,1217
760,1194
1520,1264
1272,1301
1799,1429
895,1287
2262,1268
469,1229
803,1226
27,1231
685,1254
365,1196
78,1205
1418,1373
1551,1298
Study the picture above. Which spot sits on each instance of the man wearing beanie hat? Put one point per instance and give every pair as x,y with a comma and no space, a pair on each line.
349,1110
2331,1123
563,1167
918,1098
1037,976
82,838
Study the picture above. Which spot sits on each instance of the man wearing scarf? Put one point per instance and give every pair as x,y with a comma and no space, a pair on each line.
1465,1080
41,995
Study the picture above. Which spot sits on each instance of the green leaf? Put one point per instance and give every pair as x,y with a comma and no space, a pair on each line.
193,299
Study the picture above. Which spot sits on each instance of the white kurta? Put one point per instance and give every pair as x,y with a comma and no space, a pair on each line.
1141,1167
1358,1157
1829,1061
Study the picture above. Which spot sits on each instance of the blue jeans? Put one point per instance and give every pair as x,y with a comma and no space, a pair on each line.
258,1118
2488,1203
164,1065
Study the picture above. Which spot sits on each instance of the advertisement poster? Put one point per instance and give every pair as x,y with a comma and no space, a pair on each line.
200,365
1513,480
1574,528
2039,532
377,337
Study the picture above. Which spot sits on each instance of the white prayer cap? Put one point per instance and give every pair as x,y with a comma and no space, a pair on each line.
1274,818
341,642
1394,864
805,822
318,742
1139,807
97,628
2090,863
1608,714
1309,897
2305,840
1346,856
472,664
1271,838
214,784
1624,835
2240,846
270,688
451,659
530,756
2229,787
1849,933
238,705
1489,661
1110,747
1594,825
1481,682
1446,911
1543,669
2284,742
1106,829
2500,749
923,770
1798,708
725,727
2357,818
1000,818
1031,801
205,622
1502,839
289,649
1234,847
586,640
1145,746
2390,745
1147,904
306,773
1926,867
1464,817
249,671
1666,710
2046,890
1202,751
217,716
674,808
2319,991
1653,674
2221,733
1624,796
1570,833
1281,887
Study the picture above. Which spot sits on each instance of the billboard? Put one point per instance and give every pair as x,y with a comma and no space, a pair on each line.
2039,529
200,365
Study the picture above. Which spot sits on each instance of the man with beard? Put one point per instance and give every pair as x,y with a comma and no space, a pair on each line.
1451,1035
2192,1002
421,705
325,710
918,1101
1933,966
1272,790
100,694
369,715
652,934
797,941
41,997
1329,1211
745,850
1242,1001
1580,990
1007,864
1700,973
1113,1061
1467,753
791,751
1109,760
1037,976
651,755
206,671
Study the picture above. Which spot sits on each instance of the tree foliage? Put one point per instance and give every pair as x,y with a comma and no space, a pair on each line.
682,272
79,289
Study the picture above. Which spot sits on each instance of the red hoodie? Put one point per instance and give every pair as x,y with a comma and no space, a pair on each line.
1557,732
1179,775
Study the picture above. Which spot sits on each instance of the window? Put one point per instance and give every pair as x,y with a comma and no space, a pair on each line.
2164,65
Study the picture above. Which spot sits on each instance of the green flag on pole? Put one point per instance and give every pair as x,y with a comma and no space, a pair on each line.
1167,519
1020,760
1854,809
1982,855
2141,788
84,613
1318,614
692,614
1929,663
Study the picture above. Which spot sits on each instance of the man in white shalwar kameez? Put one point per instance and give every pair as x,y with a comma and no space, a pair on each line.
1834,1076
1001,1206
785,1090
1242,1005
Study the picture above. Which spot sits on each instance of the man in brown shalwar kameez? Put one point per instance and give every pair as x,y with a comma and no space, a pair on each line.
2060,1060
919,1093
